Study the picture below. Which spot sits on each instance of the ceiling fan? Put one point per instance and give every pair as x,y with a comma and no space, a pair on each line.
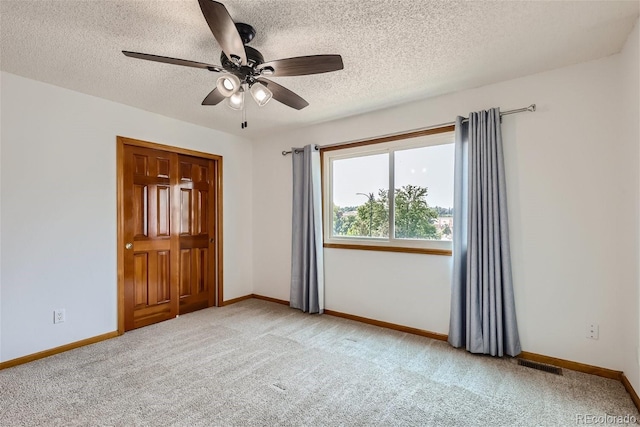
243,67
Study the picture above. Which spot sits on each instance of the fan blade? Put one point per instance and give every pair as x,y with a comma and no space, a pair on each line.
303,65
174,61
223,29
213,98
284,95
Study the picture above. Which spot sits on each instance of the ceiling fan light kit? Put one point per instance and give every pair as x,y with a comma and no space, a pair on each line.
261,94
236,101
228,85
243,65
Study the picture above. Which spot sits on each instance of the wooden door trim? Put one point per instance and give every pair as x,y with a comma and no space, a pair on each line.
120,241
121,141
219,289
177,150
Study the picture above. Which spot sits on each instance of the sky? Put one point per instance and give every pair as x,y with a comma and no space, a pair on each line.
430,167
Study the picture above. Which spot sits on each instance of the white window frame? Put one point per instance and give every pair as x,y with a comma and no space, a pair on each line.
438,247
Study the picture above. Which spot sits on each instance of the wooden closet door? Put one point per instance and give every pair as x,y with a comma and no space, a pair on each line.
169,258
195,214
149,273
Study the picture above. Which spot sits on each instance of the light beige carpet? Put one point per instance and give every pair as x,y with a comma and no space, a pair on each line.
260,363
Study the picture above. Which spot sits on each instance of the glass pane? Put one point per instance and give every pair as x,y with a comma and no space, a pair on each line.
424,193
360,202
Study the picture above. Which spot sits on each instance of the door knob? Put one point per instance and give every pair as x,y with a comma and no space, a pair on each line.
128,245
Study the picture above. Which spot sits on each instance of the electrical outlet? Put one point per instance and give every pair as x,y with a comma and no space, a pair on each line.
58,315
593,331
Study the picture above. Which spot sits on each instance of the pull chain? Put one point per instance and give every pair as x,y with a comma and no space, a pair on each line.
243,123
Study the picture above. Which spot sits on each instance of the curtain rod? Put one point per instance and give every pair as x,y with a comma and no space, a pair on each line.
284,153
531,108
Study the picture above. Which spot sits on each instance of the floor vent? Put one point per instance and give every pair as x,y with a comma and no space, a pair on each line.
540,367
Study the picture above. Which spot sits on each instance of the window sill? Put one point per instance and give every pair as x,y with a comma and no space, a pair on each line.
426,251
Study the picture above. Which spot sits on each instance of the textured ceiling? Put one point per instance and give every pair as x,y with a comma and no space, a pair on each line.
394,51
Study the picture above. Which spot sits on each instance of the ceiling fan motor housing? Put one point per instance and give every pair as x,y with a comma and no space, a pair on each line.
254,58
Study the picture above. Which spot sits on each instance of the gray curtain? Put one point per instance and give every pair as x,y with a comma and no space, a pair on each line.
483,317
307,263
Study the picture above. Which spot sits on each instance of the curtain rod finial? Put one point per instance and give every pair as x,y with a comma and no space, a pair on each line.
532,107
284,153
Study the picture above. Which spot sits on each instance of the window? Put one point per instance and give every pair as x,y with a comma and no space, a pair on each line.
361,213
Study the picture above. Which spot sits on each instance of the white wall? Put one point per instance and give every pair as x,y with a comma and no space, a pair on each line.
571,181
573,202
58,213
630,133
